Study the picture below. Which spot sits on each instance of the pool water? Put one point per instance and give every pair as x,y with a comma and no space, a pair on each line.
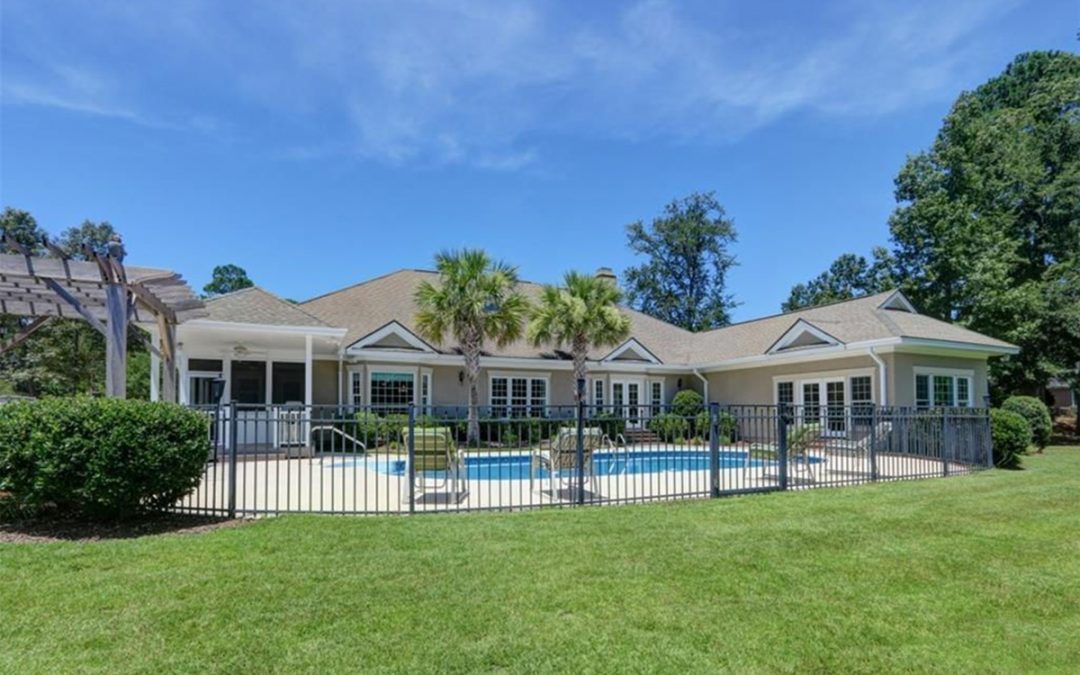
516,467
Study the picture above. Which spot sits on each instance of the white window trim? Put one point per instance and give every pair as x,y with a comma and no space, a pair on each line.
373,369
798,379
955,373
524,375
649,384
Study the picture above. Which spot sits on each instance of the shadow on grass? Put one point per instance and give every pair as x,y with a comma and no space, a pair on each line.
54,527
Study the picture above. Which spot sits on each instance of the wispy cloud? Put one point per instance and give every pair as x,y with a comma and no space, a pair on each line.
477,82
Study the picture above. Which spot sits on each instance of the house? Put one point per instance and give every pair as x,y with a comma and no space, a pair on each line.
1061,395
360,346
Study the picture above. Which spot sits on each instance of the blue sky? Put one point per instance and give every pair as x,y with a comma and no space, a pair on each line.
319,144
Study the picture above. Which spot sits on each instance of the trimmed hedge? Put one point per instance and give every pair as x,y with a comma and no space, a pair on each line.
1011,437
1037,415
687,403
101,458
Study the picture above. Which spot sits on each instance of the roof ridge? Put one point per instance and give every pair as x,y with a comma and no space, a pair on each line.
795,311
365,282
238,291
291,305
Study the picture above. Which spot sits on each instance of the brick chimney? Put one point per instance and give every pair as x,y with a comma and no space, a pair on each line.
606,273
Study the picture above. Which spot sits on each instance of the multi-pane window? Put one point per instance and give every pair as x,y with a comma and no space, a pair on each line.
862,397
392,392
656,397
425,393
356,388
518,396
785,393
942,390
598,393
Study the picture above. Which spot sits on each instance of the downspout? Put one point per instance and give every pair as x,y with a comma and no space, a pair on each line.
883,391
705,385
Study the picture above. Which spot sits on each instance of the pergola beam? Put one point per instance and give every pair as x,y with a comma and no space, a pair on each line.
21,337
105,293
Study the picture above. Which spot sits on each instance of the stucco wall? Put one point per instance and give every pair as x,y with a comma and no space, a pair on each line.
755,385
902,375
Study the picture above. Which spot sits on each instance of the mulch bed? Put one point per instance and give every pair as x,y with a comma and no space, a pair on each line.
54,529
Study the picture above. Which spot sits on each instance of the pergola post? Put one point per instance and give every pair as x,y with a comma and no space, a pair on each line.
155,377
116,307
167,339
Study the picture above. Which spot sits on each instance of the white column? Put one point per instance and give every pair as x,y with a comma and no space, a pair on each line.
308,374
226,374
340,377
155,377
269,380
182,362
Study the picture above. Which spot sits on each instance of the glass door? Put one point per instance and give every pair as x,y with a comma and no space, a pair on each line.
835,411
824,402
633,400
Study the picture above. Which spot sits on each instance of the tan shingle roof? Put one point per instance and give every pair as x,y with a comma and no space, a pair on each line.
850,321
255,305
368,306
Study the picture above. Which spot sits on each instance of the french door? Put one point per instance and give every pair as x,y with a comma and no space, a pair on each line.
628,396
823,402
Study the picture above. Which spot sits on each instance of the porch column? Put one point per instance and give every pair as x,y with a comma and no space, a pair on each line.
182,360
269,393
226,374
340,378
155,377
308,375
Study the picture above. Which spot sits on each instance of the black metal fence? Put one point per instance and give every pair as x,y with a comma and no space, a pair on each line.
335,459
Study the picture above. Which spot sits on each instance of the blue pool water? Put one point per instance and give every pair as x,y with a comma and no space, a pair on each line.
516,467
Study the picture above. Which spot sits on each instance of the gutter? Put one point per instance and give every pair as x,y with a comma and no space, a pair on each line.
705,384
883,391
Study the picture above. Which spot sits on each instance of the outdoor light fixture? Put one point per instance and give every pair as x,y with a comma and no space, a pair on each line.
217,389
678,383
461,377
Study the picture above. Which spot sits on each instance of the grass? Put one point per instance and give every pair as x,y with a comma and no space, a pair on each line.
977,573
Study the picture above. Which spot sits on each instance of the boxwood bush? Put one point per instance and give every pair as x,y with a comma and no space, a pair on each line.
1037,415
1011,437
101,458
671,428
687,403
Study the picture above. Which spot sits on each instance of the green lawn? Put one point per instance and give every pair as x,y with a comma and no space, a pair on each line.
978,573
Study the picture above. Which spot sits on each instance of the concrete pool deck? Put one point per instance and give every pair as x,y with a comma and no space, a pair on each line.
327,484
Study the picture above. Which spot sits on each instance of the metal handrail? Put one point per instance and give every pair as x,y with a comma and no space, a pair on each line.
339,432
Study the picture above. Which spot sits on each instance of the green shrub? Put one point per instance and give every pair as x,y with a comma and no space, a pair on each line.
1011,437
612,424
1037,415
102,458
687,404
670,427
727,424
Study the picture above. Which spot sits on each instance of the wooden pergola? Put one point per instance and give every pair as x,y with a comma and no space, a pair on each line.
106,294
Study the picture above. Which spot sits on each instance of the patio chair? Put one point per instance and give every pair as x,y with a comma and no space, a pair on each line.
440,464
559,456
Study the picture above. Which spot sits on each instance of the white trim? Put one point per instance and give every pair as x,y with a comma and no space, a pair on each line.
528,377
635,344
797,330
392,328
898,301
652,403
825,374
374,368
955,373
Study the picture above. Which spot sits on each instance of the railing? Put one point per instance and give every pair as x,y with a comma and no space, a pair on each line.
335,459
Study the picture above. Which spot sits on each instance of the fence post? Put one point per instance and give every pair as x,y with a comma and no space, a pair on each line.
988,439
944,442
874,420
231,437
714,449
581,441
782,443
412,458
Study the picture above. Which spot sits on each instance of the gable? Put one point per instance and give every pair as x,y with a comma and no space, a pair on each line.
899,302
393,337
802,335
632,350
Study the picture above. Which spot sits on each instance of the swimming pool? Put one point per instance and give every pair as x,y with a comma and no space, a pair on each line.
516,467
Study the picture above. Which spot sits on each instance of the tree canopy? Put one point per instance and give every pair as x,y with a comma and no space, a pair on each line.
227,279
684,279
849,276
987,227
581,314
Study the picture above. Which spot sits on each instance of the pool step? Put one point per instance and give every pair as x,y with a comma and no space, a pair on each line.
641,437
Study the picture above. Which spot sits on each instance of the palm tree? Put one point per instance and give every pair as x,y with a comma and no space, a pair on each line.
580,314
476,299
